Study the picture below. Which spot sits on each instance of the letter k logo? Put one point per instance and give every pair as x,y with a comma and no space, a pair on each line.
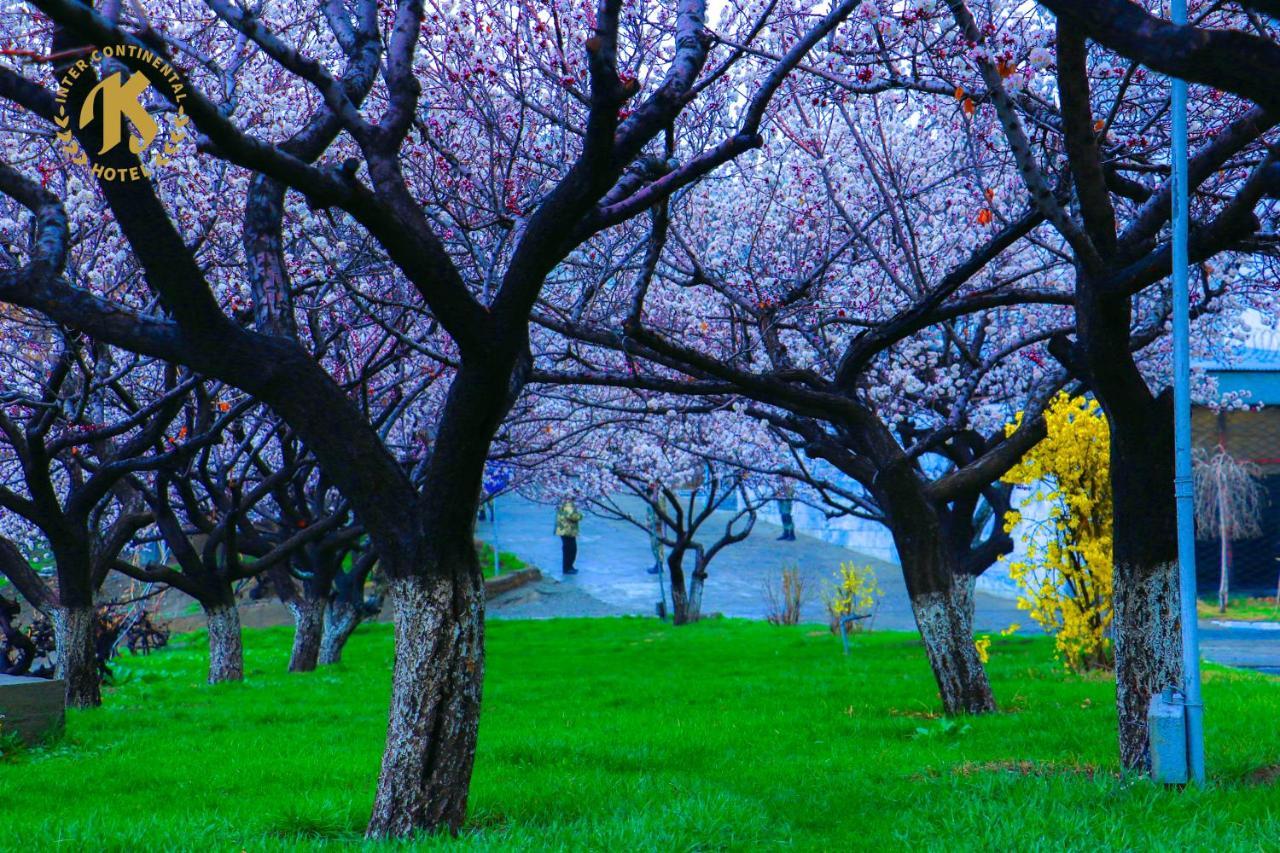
120,101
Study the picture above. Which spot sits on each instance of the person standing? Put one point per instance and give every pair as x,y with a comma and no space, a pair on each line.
788,523
567,519
654,518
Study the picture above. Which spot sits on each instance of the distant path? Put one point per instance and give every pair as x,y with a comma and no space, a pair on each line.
613,556
548,599
1255,648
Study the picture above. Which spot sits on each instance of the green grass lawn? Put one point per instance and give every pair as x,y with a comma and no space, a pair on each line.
507,561
1243,608
627,734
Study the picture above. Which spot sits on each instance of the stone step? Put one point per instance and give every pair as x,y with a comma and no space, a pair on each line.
32,707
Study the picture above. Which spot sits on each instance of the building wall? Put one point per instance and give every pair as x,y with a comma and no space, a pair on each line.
1255,437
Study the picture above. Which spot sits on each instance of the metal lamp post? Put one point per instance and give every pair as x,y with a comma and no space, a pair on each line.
1183,488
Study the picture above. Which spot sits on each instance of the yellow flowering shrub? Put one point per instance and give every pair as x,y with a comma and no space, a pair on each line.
983,642
1065,578
854,590
983,645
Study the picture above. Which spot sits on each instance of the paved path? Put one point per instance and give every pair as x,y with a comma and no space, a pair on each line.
613,556
1256,647
548,599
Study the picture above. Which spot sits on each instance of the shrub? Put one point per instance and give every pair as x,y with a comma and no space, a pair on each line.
853,590
31,650
982,642
1065,578
784,597
983,646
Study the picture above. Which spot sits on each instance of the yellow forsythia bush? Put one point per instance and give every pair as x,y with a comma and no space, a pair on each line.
983,646
982,642
854,590
1065,578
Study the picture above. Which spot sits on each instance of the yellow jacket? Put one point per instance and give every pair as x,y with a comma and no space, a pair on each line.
567,518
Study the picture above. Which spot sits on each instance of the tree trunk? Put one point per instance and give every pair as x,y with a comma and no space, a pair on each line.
945,620
1147,624
965,589
75,633
682,612
435,706
695,594
1224,576
941,597
341,620
437,595
1148,645
679,604
226,648
308,620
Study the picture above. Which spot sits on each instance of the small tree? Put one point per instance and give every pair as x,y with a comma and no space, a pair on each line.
785,597
1066,575
681,525
854,589
1229,500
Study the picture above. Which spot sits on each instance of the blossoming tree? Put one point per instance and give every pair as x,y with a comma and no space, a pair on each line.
1110,141
471,153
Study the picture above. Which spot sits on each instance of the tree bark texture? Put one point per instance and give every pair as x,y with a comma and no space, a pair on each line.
1148,646
941,596
75,633
683,609
341,618
695,594
435,706
1146,625
946,627
226,646
308,621
965,591
1224,557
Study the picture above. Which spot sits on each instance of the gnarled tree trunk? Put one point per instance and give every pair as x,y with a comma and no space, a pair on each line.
1147,625
435,705
684,608
1148,647
226,647
308,621
75,635
941,597
341,618
945,620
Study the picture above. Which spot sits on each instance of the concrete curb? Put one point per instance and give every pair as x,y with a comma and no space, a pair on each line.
1241,624
508,582
31,707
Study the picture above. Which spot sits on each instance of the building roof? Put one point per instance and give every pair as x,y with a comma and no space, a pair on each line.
1250,369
